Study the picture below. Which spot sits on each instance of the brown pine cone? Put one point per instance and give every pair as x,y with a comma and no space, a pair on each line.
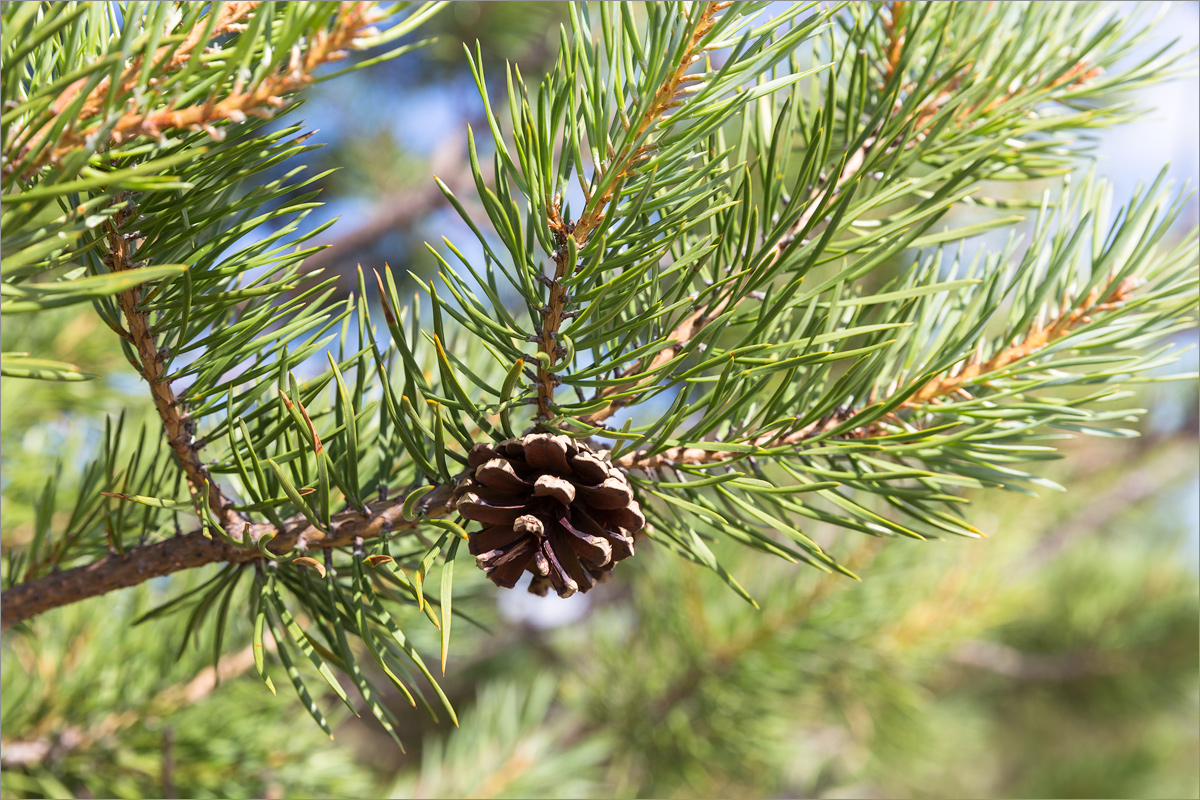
551,505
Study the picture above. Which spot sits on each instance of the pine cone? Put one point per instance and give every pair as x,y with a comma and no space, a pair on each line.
550,505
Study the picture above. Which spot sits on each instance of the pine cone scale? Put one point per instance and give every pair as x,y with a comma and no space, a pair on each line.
493,537
626,518
472,506
610,494
560,489
505,567
589,467
566,584
548,454
499,474
593,549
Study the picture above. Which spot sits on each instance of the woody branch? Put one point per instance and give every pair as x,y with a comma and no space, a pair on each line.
1104,298
177,426
26,600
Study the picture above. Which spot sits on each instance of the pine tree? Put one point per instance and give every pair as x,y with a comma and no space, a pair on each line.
719,304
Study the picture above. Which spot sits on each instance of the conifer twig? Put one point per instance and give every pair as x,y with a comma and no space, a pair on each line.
692,324
230,19
1099,300
260,100
673,456
633,153
895,37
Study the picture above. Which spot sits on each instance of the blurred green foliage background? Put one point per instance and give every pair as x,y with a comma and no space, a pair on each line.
1058,658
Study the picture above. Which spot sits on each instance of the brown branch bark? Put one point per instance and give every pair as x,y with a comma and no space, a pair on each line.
176,424
895,38
26,600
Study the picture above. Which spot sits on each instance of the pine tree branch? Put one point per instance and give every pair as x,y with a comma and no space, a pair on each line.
266,97
921,117
139,564
665,98
165,61
1099,300
260,100
230,19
